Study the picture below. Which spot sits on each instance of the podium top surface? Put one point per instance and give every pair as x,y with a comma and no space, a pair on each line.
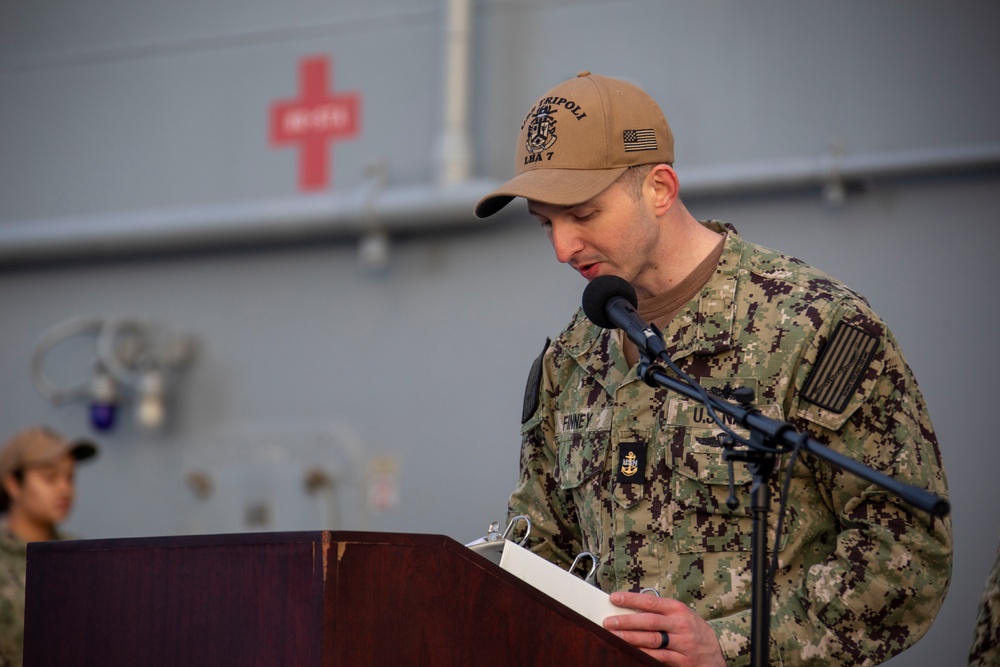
232,539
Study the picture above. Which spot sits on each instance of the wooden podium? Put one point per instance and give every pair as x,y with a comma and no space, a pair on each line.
298,599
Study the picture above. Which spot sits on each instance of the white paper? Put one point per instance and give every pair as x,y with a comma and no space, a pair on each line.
559,584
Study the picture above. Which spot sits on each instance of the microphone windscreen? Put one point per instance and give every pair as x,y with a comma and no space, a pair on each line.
599,291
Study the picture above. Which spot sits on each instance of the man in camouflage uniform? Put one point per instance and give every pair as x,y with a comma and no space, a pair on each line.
37,473
985,651
636,475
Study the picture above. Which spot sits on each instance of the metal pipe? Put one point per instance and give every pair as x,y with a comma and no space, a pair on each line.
799,173
423,207
454,151
244,223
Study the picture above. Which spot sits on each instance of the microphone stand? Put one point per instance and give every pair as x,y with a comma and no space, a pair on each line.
768,437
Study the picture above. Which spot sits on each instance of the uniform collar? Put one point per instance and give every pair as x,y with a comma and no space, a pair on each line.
703,327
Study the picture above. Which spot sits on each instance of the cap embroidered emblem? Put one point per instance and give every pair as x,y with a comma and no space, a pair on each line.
639,140
541,130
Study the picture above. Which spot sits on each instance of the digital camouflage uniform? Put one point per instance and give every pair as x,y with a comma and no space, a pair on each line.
860,576
985,651
13,555
13,559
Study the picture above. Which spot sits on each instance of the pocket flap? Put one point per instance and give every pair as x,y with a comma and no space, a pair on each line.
581,456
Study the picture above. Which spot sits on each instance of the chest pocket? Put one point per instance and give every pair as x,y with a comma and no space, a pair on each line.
580,462
582,442
584,453
702,521
581,456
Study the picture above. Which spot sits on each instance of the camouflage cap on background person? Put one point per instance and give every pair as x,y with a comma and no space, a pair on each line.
578,138
39,445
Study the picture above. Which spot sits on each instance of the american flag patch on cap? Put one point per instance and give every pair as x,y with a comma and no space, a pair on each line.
639,140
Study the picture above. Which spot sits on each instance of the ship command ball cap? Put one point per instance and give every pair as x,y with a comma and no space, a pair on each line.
578,138
38,446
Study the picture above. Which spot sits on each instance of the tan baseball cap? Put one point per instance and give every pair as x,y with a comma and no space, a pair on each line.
578,138
39,445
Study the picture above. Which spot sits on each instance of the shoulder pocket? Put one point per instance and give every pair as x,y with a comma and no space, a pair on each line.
846,369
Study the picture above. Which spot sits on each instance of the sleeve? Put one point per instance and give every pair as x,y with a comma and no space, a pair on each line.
555,534
876,589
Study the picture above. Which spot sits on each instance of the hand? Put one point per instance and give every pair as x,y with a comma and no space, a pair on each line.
692,641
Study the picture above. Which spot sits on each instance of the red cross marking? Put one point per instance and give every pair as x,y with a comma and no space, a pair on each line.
315,119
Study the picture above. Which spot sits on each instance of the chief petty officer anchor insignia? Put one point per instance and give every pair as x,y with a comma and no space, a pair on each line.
631,463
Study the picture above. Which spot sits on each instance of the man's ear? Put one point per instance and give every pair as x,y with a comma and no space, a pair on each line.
11,487
662,181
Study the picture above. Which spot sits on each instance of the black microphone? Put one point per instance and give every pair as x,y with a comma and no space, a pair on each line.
609,302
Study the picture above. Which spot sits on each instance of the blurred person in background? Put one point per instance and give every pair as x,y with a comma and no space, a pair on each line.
985,651
37,470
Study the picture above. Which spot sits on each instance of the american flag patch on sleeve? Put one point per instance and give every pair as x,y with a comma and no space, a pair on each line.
840,367
639,140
